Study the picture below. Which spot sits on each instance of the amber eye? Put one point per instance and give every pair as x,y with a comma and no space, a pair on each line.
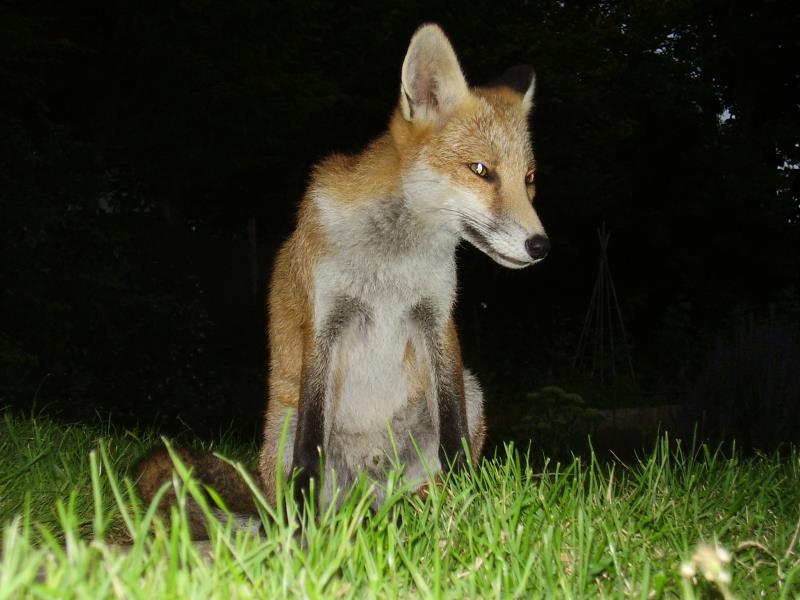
480,169
530,177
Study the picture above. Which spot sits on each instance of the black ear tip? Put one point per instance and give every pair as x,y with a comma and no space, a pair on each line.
518,78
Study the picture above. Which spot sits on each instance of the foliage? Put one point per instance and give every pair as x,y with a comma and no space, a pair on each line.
555,417
577,529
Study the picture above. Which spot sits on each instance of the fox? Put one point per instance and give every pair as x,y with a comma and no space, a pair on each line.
365,367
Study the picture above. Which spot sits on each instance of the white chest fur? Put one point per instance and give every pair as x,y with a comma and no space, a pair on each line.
390,259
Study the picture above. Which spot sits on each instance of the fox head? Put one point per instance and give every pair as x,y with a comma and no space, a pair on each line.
469,154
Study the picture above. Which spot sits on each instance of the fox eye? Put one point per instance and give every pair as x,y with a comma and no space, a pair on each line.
530,177
480,169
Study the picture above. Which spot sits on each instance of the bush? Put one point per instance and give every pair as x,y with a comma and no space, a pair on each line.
556,419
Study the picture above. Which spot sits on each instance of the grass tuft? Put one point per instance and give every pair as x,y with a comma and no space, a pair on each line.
680,522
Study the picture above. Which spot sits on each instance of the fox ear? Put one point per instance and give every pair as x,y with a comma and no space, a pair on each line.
431,83
522,79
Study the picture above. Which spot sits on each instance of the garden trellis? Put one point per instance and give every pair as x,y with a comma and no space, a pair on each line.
603,344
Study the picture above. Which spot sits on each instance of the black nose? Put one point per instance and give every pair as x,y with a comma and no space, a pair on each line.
538,246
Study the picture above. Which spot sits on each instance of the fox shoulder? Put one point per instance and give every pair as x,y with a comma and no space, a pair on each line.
370,174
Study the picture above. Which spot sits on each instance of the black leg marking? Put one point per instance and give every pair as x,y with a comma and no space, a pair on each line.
310,429
310,433
449,387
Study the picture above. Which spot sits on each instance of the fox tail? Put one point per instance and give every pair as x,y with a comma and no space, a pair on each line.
157,468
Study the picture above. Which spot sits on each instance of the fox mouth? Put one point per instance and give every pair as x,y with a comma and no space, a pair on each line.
478,239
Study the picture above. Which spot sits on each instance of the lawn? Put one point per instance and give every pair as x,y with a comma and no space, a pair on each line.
681,522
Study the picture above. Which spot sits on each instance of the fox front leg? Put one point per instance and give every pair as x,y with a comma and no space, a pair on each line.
310,431
448,373
314,393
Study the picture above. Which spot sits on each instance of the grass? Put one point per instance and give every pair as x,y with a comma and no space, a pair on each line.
581,529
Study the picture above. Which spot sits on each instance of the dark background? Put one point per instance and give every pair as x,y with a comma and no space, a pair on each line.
152,155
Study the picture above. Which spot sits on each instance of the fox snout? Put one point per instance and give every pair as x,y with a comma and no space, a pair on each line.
537,246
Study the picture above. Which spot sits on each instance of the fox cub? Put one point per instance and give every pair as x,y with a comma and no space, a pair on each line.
365,360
